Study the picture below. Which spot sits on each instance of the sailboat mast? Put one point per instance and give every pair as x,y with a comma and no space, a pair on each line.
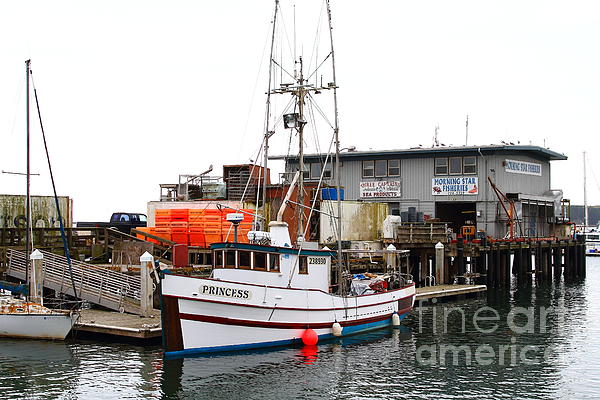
337,162
585,205
28,194
268,133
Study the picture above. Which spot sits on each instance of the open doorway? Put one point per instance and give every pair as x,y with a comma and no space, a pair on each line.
457,214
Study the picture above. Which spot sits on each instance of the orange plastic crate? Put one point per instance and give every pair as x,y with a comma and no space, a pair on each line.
212,238
180,214
197,239
179,227
181,238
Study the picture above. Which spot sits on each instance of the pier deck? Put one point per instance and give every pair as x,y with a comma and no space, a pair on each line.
430,292
119,324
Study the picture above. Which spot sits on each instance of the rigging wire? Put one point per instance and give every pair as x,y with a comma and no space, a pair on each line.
60,219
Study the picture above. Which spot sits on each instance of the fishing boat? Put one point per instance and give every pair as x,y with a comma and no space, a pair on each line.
274,291
28,317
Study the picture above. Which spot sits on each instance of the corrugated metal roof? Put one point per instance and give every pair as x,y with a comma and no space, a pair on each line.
424,152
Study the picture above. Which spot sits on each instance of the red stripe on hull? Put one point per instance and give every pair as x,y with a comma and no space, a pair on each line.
284,325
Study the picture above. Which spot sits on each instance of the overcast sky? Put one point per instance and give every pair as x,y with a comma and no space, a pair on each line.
134,93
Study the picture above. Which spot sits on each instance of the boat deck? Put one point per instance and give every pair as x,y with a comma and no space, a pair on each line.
431,292
119,324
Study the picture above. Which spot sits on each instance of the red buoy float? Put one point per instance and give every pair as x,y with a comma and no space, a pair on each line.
310,337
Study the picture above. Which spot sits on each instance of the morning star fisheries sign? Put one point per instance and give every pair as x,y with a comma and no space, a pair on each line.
379,189
455,186
522,167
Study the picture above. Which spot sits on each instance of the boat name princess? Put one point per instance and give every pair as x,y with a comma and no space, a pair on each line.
221,291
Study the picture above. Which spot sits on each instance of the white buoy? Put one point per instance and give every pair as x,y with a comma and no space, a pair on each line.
395,319
336,329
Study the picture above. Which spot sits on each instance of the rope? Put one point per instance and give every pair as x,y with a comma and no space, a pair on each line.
60,220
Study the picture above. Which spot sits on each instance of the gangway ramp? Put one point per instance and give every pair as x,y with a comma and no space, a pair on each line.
111,289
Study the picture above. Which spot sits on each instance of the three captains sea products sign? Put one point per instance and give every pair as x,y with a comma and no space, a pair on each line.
522,167
378,189
455,186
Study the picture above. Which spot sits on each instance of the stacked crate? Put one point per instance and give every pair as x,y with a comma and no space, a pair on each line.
196,228
212,222
162,223
199,228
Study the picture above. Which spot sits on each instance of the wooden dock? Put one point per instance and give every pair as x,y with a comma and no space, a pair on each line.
447,291
119,324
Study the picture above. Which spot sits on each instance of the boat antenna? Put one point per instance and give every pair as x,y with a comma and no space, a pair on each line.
585,206
268,132
28,194
60,219
341,283
467,131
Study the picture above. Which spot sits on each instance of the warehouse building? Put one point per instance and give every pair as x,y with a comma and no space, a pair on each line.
485,190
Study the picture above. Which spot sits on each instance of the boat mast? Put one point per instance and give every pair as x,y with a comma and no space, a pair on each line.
268,132
28,195
585,206
300,94
341,282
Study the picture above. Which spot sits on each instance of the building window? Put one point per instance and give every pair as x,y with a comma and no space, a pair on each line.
327,173
380,168
393,167
441,166
315,171
306,172
368,169
455,164
470,165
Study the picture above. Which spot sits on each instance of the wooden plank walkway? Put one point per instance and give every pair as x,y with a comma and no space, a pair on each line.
430,292
119,324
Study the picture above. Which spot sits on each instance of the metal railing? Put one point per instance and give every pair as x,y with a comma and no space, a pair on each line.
98,285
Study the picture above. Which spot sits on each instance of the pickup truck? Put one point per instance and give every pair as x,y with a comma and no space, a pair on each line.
122,221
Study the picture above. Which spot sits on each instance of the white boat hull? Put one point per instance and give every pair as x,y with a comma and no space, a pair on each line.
36,326
208,315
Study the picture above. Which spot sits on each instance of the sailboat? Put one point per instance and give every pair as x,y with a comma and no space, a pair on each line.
590,234
279,293
29,318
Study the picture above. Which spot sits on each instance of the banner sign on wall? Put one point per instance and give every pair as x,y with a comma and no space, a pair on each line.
522,167
380,189
455,186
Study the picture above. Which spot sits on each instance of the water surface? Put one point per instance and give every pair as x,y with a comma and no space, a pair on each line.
561,361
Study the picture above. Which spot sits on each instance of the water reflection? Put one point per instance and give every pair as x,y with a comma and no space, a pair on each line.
384,364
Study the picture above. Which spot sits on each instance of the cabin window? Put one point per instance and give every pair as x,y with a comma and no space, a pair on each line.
470,165
218,259
143,218
230,259
274,262
441,166
380,168
393,167
244,258
368,168
455,165
303,265
260,261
